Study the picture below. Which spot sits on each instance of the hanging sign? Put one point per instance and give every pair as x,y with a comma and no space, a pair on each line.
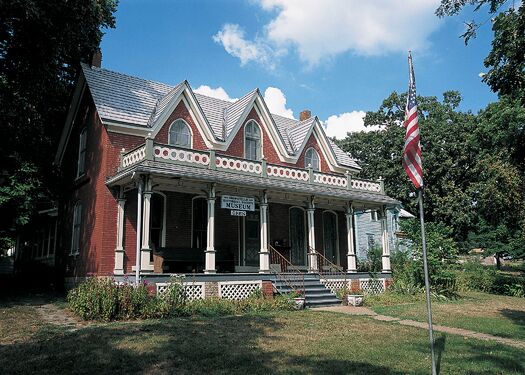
233,202
237,213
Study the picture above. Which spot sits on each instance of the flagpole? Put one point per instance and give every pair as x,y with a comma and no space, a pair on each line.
427,283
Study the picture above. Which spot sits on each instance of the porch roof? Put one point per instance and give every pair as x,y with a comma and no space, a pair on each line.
235,179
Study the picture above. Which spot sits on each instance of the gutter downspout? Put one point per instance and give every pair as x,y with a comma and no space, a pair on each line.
139,230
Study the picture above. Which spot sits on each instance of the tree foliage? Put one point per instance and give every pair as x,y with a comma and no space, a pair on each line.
41,45
506,60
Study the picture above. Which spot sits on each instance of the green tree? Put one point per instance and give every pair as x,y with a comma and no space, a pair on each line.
506,60
41,45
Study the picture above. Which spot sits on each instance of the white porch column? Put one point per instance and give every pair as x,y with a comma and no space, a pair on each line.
312,256
145,254
264,254
350,256
119,249
210,238
384,240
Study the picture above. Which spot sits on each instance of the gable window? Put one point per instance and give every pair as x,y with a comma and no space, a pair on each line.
252,141
179,134
82,147
373,216
311,158
77,224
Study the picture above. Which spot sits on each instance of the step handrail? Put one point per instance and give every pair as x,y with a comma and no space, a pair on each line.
289,274
322,261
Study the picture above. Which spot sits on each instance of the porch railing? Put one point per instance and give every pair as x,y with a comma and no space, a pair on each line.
285,271
332,276
153,151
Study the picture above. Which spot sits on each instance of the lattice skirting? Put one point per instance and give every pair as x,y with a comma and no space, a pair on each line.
372,286
193,290
238,289
336,284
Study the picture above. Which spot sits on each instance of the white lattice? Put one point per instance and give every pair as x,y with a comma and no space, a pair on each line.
133,157
283,172
328,179
238,165
372,286
238,289
366,185
177,154
193,290
335,284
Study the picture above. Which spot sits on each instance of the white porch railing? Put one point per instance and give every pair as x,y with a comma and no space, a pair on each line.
208,159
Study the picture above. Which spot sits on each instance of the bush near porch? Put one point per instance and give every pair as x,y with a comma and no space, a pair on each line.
102,299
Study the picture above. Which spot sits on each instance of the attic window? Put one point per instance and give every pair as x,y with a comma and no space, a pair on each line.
179,134
311,158
252,141
82,147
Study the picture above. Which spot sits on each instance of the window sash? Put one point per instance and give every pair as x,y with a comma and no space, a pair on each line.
180,134
311,158
77,222
82,147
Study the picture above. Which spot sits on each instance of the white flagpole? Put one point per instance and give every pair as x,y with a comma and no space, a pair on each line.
427,282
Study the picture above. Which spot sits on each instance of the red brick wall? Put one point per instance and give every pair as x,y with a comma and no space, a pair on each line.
181,112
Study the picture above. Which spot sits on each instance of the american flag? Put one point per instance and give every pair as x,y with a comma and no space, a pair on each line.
412,150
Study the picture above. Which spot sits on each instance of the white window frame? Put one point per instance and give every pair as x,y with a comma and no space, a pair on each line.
258,150
187,127
82,150
313,154
76,230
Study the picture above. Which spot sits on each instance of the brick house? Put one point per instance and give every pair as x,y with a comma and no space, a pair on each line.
160,180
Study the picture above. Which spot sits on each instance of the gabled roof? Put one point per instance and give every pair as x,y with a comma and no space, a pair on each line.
137,102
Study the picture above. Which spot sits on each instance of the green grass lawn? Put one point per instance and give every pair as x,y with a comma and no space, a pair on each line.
306,342
488,313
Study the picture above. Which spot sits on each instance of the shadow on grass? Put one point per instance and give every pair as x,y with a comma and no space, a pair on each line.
517,316
228,345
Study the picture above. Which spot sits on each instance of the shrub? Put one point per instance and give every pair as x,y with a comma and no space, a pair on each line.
372,263
476,277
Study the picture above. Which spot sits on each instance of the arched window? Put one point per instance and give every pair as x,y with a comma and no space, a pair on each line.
77,225
199,223
252,141
180,134
82,148
311,157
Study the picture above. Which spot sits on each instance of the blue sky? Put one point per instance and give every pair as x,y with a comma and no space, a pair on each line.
334,57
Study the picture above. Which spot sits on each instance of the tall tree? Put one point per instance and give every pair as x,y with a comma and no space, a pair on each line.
41,45
506,60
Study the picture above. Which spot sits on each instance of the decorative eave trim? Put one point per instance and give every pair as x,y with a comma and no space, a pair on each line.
72,112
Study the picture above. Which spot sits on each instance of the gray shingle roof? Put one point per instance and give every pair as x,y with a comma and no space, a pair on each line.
136,101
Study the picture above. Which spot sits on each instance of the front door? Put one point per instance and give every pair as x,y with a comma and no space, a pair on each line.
297,237
330,236
252,242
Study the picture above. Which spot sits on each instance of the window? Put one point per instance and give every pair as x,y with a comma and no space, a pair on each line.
199,223
82,147
180,134
77,223
370,241
157,220
252,141
311,158
373,216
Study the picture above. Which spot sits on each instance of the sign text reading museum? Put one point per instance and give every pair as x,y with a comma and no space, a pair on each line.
232,202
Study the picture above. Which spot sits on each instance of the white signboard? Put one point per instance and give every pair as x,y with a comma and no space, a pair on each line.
237,213
232,202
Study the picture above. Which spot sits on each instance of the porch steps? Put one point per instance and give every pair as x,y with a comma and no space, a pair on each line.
316,294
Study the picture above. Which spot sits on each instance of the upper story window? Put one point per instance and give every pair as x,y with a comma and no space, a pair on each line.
82,147
77,224
311,158
252,141
180,134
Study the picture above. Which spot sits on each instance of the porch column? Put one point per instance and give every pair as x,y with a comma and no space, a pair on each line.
264,254
145,254
210,235
384,240
119,249
350,256
312,256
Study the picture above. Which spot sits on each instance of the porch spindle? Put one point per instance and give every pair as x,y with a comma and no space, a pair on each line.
264,254
145,254
119,249
384,240
312,257
210,239
351,260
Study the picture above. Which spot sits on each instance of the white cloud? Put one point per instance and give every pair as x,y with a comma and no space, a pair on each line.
321,30
349,122
276,102
231,36
218,93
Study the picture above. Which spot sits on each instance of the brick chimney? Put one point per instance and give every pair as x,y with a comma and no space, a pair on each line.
96,59
305,115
